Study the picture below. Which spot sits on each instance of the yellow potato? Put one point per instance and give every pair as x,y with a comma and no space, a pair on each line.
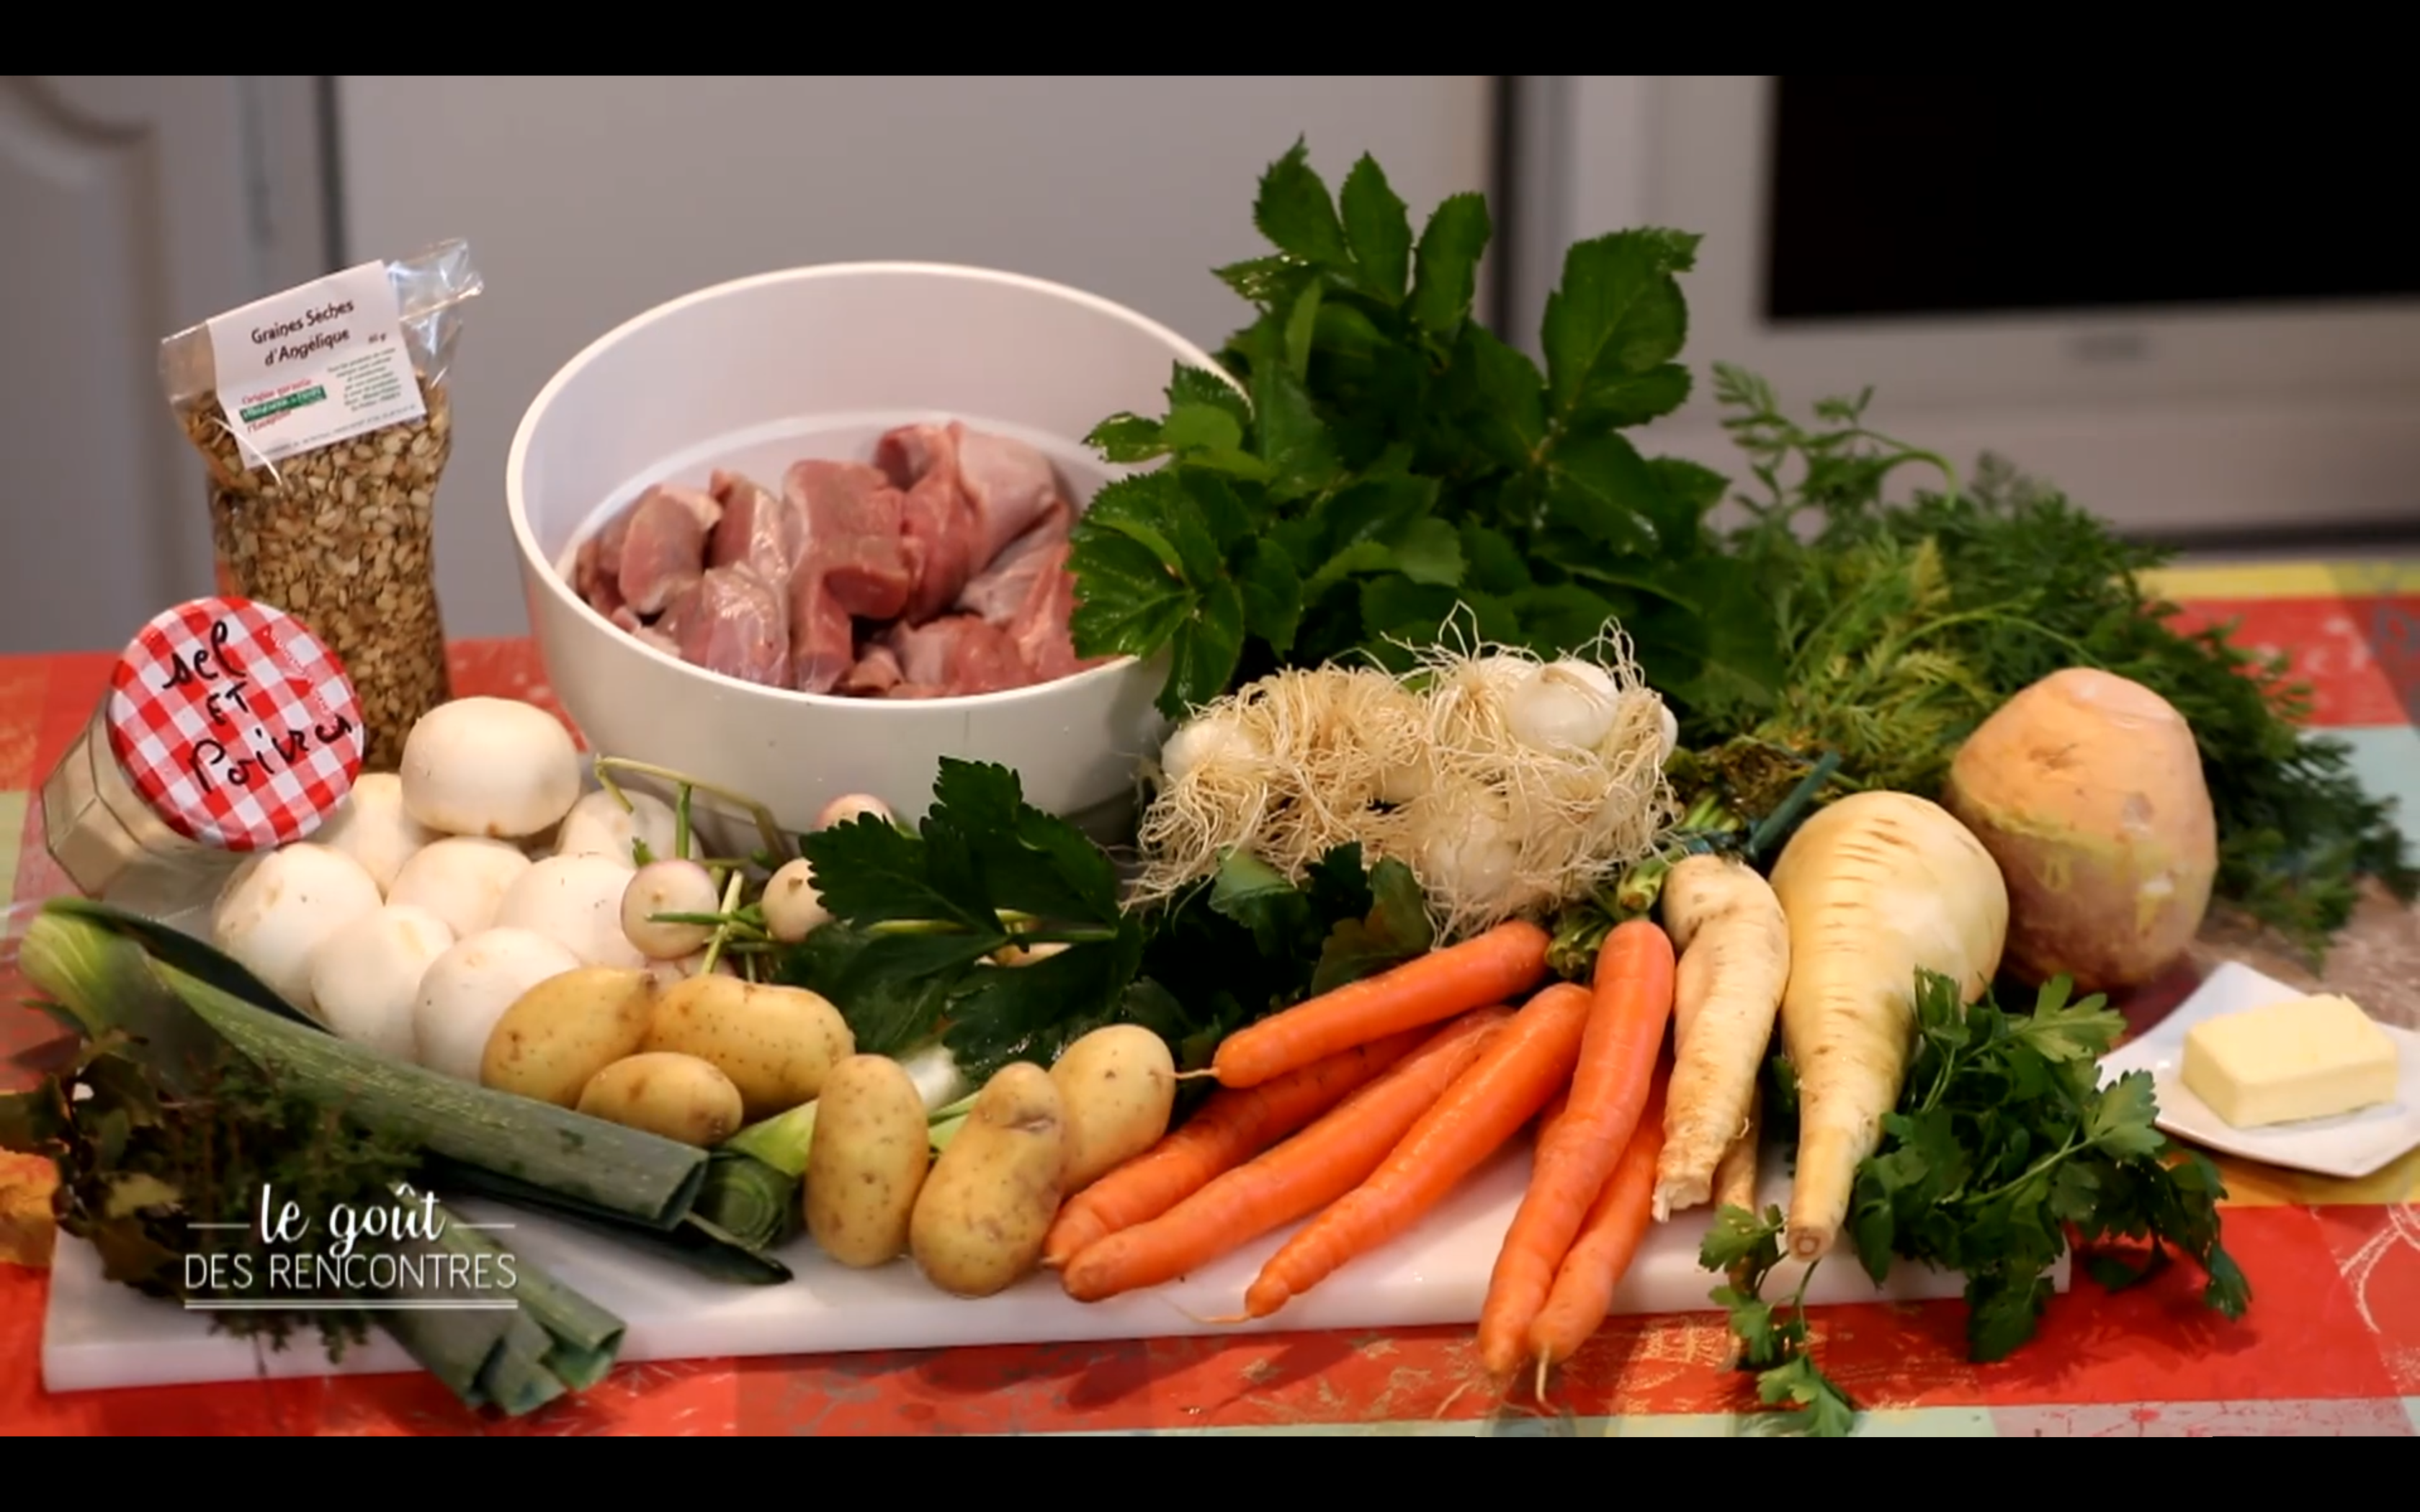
867,1162
1119,1087
775,1043
679,1097
564,1030
980,1220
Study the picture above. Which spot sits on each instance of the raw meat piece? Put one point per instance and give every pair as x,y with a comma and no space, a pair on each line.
1040,630
998,591
596,570
823,640
765,530
1029,592
968,495
957,655
876,673
733,622
851,519
664,552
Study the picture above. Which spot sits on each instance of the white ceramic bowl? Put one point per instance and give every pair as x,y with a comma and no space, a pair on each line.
818,361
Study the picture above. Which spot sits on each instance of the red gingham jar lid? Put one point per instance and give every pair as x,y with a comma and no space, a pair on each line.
235,724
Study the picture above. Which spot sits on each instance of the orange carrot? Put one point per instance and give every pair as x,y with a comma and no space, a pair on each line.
1632,1005
1504,1088
1503,963
1292,1180
1231,1127
1608,1243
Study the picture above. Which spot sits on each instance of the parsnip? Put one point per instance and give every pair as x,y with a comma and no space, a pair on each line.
1734,961
1874,887
1735,1178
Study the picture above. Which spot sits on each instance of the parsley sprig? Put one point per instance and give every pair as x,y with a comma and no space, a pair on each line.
1773,1338
918,914
2004,1144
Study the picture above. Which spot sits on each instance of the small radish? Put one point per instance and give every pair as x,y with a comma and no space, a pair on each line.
792,908
668,886
849,807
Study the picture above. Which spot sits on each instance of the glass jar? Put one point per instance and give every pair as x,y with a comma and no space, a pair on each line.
227,728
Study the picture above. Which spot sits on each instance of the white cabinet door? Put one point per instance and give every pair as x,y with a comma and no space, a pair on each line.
130,207
586,200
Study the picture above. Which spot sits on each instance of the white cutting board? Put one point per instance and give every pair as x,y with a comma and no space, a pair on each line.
98,1335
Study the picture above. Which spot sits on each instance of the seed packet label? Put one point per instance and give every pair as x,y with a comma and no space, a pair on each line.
314,365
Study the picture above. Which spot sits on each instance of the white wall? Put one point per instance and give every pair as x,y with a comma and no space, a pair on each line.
588,200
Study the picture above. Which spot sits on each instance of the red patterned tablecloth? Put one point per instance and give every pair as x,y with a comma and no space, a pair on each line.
2332,1346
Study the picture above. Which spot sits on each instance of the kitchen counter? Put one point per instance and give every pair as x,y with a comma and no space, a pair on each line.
2332,1345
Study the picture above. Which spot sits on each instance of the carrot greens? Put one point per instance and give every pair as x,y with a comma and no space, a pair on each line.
1382,461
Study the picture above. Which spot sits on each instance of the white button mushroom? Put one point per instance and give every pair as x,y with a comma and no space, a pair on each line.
366,977
598,824
279,906
371,827
575,901
850,806
669,886
792,906
461,880
490,767
466,990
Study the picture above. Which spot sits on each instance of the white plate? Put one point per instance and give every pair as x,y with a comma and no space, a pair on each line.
2348,1145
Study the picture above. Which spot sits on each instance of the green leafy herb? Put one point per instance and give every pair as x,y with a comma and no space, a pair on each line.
919,917
2002,1145
140,1164
1910,624
2004,1140
1773,1338
1382,460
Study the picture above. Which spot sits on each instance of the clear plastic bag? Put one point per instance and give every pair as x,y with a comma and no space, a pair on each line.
342,536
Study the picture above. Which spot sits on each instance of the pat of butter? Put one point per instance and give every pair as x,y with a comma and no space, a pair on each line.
2310,1057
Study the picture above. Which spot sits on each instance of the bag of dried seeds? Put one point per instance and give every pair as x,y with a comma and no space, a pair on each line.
323,417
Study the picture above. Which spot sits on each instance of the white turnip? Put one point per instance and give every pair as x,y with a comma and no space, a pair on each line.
670,887
792,908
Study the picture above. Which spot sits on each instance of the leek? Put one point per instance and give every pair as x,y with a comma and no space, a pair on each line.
129,1004
509,1146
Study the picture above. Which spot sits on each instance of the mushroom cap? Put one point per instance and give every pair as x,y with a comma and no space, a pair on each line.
461,879
366,977
466,990
490,767
277,907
